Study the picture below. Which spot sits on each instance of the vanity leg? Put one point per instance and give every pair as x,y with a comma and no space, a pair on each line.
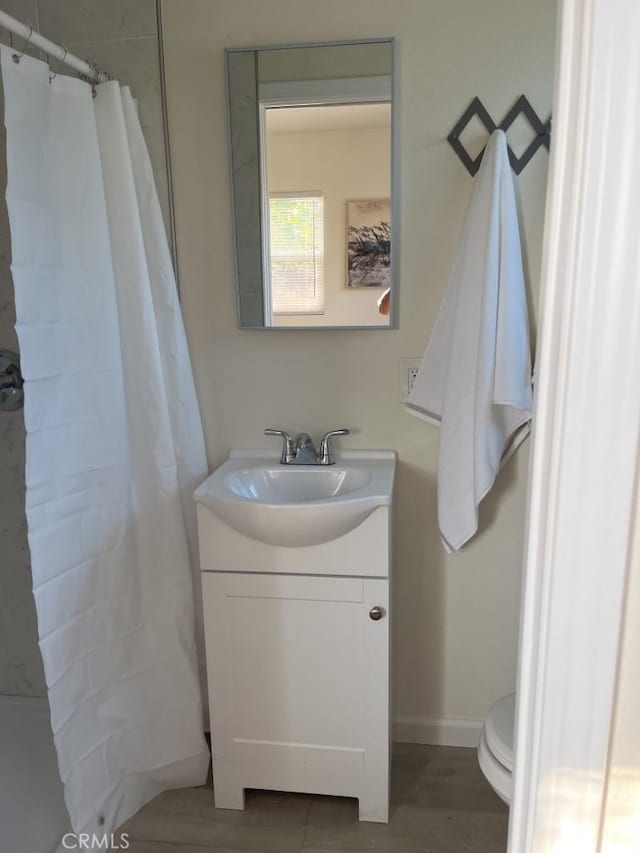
227,794
375,810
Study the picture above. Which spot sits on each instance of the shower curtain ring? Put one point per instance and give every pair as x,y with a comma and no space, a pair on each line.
18,56
52,76
95,77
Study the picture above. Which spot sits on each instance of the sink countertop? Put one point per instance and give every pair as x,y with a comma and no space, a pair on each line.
298,505
380,463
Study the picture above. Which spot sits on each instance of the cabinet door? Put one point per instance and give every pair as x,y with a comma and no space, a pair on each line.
298,682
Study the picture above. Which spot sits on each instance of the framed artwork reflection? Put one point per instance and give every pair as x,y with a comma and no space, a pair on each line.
369,242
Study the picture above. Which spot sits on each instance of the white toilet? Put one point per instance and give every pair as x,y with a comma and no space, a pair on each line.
495,752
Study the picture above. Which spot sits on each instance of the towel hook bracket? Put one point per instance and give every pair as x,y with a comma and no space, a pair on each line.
521,107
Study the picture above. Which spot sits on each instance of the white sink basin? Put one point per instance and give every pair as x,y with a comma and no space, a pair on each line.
296,483
298,505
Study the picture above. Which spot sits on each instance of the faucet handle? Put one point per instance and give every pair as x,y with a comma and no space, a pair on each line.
324,454
288,451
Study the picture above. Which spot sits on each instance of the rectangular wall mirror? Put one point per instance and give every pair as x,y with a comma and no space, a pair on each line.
311,130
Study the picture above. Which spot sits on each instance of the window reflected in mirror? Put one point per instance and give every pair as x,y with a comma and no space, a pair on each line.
296,250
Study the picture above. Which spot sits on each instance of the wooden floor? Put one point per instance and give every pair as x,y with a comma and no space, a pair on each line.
441,803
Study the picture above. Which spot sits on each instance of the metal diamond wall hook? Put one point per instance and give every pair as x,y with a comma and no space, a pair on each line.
475,108
521,107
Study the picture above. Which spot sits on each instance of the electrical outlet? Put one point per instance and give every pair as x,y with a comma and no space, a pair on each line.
413,373
409,368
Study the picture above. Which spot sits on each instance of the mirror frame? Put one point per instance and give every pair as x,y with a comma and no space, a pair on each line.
247,183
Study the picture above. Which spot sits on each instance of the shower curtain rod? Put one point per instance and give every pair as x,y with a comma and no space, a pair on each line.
33,38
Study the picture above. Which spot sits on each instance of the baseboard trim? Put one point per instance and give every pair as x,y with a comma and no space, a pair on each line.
446,731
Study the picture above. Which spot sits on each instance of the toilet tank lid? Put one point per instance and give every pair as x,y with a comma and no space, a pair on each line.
499,727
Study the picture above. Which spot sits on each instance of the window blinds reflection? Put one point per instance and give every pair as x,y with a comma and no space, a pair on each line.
296,237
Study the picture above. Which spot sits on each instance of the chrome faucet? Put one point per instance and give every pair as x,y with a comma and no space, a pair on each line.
300,450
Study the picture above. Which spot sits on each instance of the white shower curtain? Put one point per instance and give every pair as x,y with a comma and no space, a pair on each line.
114,444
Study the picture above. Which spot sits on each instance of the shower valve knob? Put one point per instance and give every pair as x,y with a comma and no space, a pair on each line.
11,382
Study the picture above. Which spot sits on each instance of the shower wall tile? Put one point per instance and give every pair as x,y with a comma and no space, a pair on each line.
20,662
71,21
23,10
121,36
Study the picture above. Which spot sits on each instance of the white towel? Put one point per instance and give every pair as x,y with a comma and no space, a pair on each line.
475,377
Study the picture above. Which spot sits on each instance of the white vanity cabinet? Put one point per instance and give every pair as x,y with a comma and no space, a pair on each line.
297,646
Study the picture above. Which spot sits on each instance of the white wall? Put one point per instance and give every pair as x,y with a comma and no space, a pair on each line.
342,164
455,620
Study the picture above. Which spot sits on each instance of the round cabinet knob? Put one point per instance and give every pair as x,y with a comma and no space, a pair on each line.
376,613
